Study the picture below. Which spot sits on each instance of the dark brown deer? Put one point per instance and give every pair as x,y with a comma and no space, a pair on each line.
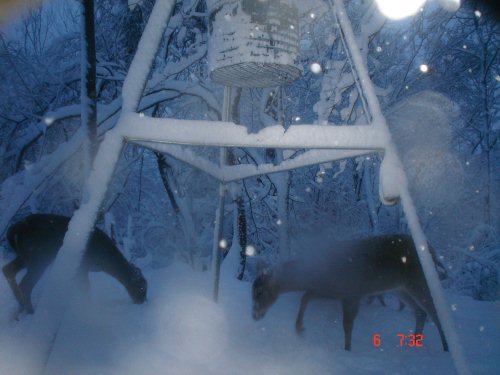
441,269
36,240
349,272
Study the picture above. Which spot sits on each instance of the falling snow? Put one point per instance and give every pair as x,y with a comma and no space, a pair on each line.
316,68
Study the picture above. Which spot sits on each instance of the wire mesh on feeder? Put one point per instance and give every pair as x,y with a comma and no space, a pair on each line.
253,43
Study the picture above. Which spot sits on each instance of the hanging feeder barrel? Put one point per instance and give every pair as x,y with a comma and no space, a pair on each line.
253,43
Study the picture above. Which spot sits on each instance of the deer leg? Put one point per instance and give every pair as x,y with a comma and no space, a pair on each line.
401,305
83,281
28,283
423,297
420,314
299,323
10,271
380,298
350,308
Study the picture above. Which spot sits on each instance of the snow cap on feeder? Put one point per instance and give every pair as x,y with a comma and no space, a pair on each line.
253,43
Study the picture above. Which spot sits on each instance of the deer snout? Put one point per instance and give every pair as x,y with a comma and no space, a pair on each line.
139,300
257,313
138,293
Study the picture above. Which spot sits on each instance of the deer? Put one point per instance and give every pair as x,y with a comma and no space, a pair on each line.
36,239
381,300
348,272
442,273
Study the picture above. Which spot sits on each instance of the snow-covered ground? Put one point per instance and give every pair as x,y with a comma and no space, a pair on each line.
179,330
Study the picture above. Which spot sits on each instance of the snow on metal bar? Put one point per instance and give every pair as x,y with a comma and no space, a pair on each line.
432,277
311,157
393,168
137,76
230,173
57,295
364,77
137,128
187,156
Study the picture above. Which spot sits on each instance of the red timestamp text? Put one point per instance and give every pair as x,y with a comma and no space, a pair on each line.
411,340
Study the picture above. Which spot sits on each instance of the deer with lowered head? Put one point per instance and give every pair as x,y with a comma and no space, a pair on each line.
36,240
350,271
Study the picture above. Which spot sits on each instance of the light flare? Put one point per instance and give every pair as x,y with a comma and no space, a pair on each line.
397,9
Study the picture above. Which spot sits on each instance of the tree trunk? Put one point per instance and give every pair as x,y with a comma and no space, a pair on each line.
282,182
182,214
242,234
163,168
372,201
238,199
88,90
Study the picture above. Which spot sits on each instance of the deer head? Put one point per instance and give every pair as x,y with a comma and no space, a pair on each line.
264,292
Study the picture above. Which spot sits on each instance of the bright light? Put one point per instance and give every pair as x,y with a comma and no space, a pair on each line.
398,9
424,68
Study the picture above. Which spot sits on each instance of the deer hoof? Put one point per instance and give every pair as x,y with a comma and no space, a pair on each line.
299,329
16,316
28,309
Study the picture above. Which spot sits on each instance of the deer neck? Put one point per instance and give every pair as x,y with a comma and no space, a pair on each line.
105,256
290,278
121,270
